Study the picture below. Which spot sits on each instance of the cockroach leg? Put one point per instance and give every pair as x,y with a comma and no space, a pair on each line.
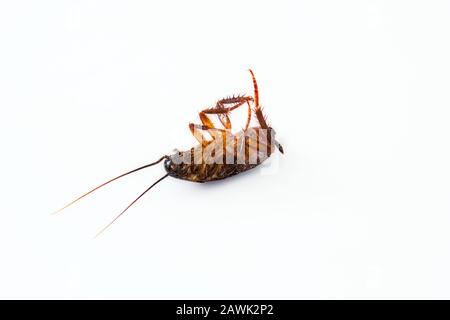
258,111
214,132
225,106
198,135
235,102
224,120
208,124
205,120
249,116
255,88
203,127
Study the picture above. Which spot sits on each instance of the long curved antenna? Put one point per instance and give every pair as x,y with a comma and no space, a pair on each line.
118,216
109,181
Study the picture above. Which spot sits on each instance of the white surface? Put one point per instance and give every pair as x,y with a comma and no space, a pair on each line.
358,92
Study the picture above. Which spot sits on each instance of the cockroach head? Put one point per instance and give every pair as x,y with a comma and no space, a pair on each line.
171,164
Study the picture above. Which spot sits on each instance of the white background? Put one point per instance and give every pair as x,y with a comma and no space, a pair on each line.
358,92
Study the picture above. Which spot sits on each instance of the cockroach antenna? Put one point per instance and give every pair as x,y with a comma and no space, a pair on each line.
117,217
225,155
111,180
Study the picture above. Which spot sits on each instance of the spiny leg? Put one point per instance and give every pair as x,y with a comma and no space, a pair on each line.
205,119
261,118
234,102
258,111
223,117
220,136
249,116
206,128
198,135
207,125
225,106
225,120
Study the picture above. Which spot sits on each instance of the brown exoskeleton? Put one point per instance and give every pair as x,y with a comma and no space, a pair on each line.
225,155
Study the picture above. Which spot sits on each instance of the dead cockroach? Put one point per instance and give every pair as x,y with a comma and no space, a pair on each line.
223,156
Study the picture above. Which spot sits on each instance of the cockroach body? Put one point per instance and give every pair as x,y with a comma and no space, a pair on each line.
225,155
205,172
236,149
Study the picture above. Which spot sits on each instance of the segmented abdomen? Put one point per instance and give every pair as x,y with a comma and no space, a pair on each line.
209,172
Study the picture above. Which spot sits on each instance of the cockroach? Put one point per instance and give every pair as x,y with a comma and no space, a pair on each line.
224,155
